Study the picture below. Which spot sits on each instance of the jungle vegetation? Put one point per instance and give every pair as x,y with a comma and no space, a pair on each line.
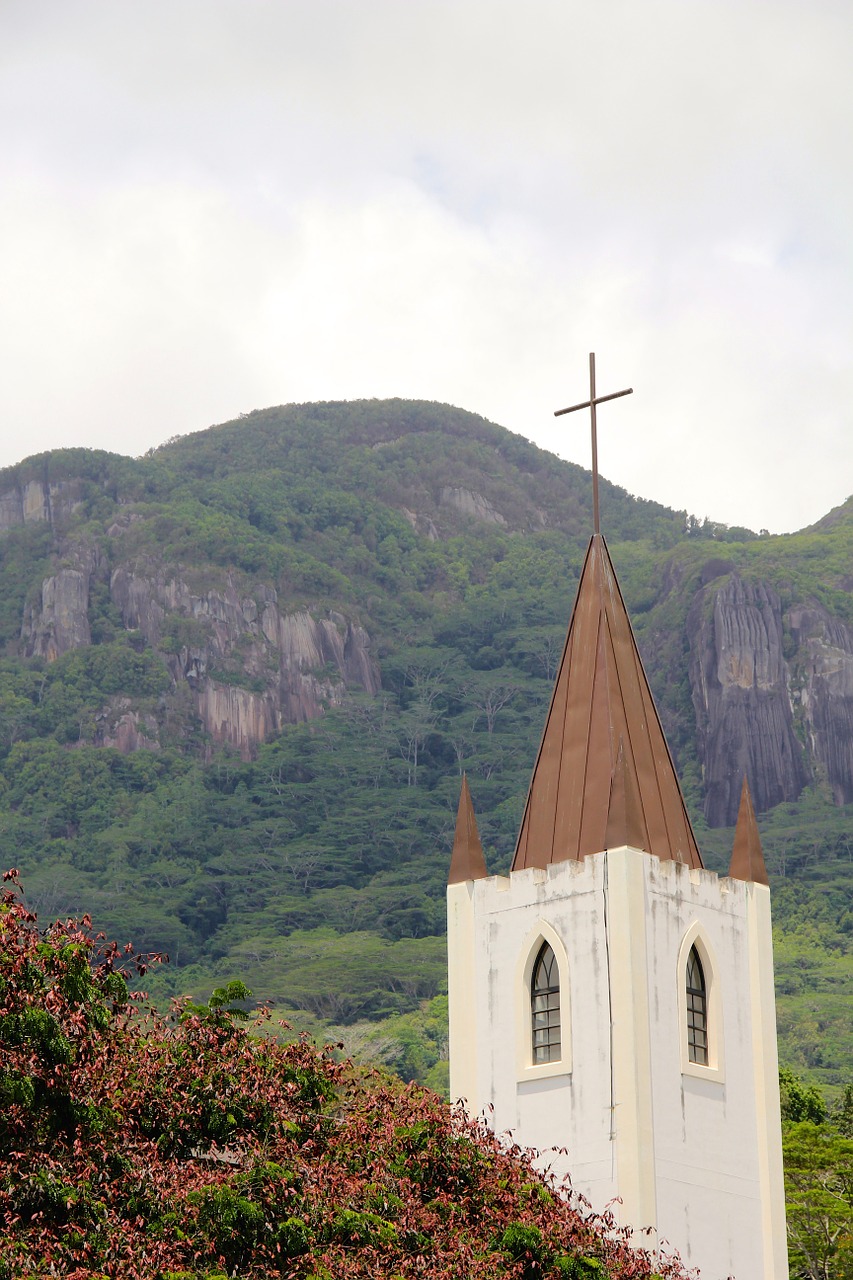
315,870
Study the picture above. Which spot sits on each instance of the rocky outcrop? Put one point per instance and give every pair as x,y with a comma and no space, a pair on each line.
772,694
238,718
59,620
822,692
11,509
252,667
305,644
421,524
62,621
37,500
740,684
120,726
471,504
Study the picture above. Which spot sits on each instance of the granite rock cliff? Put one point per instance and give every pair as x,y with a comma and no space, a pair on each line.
33,501
821,684
740,686
251,667
772,693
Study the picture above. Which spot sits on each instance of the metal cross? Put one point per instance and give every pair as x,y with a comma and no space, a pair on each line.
590,404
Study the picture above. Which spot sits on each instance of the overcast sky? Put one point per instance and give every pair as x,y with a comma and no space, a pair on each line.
210,206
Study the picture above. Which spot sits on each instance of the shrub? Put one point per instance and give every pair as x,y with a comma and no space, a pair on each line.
182,1146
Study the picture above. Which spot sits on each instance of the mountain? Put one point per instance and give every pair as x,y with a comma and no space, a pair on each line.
243,674
335,507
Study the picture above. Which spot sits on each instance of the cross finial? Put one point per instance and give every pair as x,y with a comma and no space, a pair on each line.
590,404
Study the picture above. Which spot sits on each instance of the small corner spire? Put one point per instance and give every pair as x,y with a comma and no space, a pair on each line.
747,855
625,825
466,861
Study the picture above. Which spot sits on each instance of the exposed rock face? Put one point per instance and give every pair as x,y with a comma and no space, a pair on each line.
251,668
469,503
125,729
306,645
284,668
60,621
421,524
63,621
758,713
237,717
740,683
37,500
822,689
11,509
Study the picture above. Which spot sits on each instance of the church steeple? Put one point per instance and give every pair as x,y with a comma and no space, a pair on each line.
601,708
466,861
611,1009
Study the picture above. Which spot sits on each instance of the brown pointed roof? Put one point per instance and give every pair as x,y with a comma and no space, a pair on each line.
602,700
466,861
747,855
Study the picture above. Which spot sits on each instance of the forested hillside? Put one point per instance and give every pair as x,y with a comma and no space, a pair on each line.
243,674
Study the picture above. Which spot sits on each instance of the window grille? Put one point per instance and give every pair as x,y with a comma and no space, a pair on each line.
545,1006
697,1010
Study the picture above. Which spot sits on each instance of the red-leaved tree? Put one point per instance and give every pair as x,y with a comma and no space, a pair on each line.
146,1147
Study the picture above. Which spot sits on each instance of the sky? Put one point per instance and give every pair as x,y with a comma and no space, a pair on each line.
212,206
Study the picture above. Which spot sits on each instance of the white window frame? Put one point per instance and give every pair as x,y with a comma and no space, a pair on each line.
715,1068
526,1069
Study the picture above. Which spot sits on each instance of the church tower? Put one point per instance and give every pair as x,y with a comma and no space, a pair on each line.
611,1000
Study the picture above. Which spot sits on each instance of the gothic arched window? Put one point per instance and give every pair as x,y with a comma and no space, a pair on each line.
545,1007
697,1010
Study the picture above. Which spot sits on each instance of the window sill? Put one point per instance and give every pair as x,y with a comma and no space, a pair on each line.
545,1070
698,1072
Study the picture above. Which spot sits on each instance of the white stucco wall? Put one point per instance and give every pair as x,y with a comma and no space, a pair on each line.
691,1151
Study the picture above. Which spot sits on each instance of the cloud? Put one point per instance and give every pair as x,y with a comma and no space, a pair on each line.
216,205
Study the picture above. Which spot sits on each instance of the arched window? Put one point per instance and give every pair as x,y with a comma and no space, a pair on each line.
545,1007
697,1010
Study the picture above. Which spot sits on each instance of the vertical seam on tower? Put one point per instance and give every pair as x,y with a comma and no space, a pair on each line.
605,891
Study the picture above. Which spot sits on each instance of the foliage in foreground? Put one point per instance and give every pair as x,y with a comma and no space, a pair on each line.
818,1149
140,1146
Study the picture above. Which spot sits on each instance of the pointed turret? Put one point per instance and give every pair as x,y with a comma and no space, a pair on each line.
466,861
747,855
579,794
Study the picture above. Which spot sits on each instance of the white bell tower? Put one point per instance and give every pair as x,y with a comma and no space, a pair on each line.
611,996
